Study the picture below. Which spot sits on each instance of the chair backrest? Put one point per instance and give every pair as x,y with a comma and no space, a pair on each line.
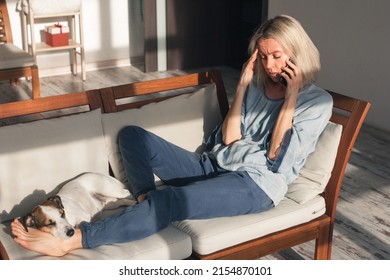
106,98
350,113
111,95
5,26
55,106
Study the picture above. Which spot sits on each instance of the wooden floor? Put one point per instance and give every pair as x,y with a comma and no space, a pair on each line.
362,229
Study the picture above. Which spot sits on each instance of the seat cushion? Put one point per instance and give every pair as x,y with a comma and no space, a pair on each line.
13,57
185,120
36,157
212,235
315,174
169,243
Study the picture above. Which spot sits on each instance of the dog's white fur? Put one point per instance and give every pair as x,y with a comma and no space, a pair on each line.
82,198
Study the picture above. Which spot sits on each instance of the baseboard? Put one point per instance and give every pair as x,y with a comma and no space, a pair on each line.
91,66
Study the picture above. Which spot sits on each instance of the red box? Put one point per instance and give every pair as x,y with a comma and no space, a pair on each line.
57,35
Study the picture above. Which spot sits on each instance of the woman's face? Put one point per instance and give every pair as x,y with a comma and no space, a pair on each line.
272,57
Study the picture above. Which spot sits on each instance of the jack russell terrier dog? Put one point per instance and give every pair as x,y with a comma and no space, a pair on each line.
78,200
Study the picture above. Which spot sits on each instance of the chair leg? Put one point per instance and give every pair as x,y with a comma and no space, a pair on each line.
35,86
323,247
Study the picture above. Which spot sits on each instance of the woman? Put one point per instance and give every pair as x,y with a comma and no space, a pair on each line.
251,158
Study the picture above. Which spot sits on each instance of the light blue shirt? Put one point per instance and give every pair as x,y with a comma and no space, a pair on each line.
259,114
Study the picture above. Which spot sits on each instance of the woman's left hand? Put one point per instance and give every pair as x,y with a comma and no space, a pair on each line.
286,114
293,78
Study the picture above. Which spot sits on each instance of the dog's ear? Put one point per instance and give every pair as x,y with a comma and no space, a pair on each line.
27,221
57,200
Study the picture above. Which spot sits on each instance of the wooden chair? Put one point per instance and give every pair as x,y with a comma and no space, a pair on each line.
348,111
14,62
33,12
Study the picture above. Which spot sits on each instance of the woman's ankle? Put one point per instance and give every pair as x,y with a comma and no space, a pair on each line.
141,198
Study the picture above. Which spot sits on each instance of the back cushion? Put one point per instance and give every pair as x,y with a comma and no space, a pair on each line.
316,172
185,120
36,157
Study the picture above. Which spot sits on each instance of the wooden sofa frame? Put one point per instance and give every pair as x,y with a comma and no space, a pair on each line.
351,113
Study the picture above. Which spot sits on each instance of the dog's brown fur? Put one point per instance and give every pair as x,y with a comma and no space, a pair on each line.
37,219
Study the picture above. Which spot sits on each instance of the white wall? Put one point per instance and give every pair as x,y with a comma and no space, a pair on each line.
353,37
113,33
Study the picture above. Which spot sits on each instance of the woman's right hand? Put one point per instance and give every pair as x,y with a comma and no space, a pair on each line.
231,128
248,69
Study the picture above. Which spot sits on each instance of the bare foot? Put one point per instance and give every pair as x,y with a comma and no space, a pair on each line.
43,242
141,198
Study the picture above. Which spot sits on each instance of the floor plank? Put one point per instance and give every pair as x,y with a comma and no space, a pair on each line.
362,229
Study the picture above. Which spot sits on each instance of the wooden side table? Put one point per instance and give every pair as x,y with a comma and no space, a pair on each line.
76,39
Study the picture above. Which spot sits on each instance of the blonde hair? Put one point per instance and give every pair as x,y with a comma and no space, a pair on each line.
291,36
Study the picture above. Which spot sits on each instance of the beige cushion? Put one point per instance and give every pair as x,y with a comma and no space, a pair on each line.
185,120
317,170
169,243
13,57
212,235
35,157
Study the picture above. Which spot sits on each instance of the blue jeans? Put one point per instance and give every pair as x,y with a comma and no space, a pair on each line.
196,189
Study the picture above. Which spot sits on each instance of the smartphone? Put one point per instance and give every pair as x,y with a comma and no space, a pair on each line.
282,80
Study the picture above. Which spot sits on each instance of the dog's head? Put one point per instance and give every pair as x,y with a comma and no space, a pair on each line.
49,217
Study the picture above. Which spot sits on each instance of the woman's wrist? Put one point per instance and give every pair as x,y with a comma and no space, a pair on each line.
291,96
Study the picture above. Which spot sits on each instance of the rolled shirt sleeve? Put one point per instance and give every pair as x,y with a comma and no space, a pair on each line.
312,114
